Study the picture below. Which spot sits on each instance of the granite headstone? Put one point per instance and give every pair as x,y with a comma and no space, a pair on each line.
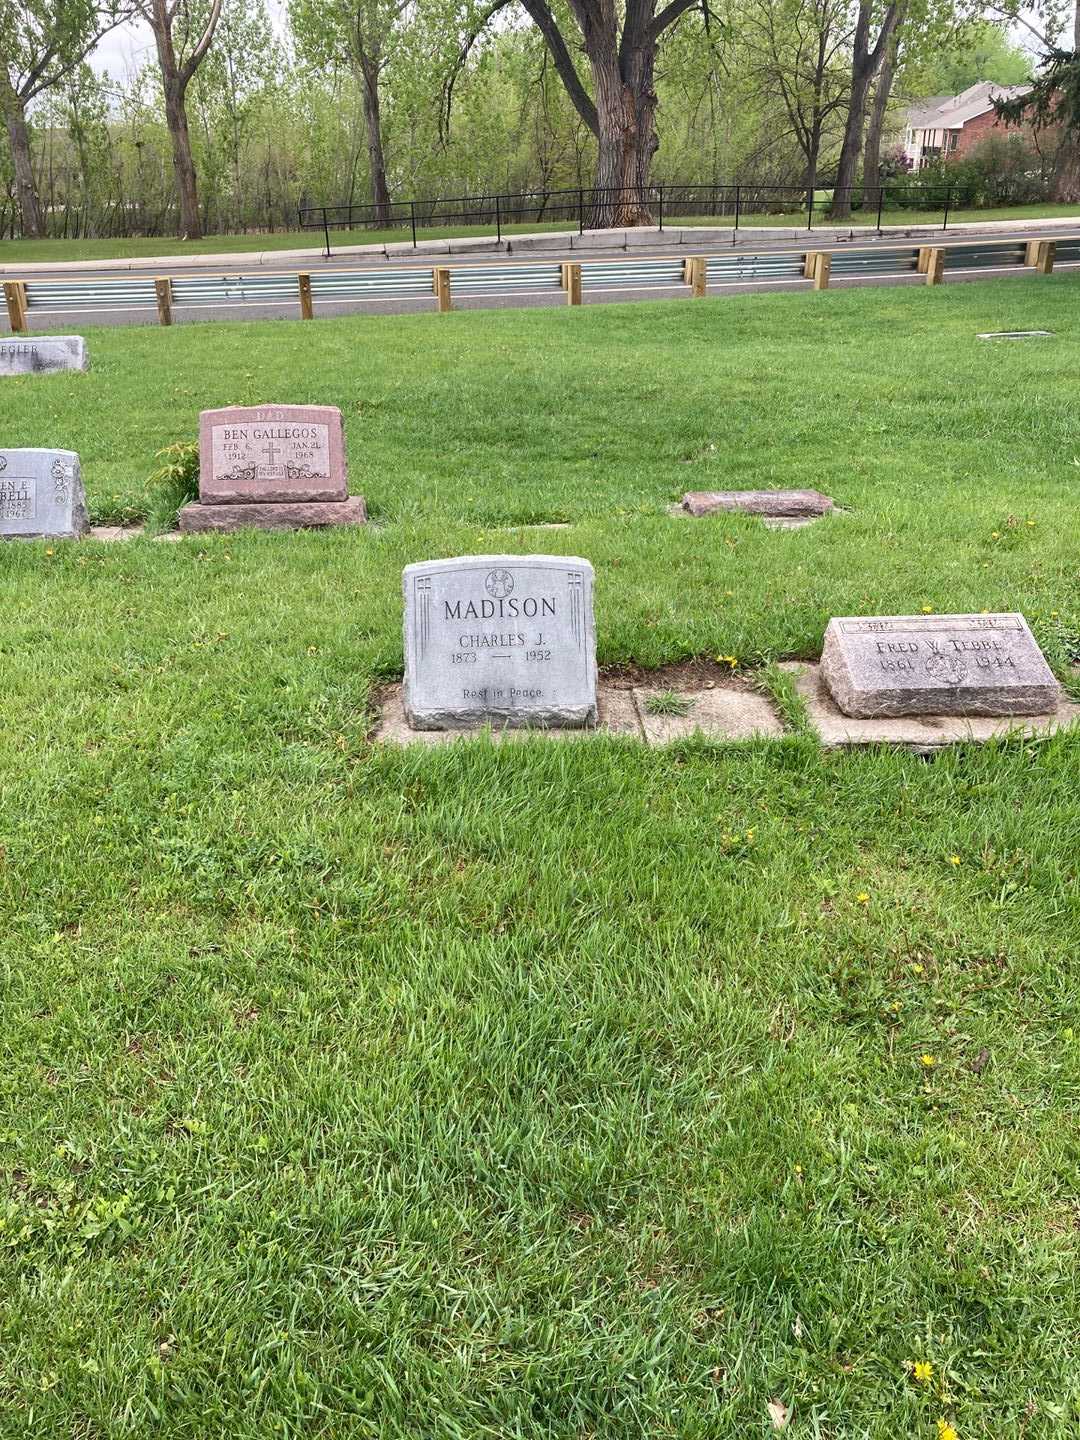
271,452
41,495
42,355
272,467
507,640
800,503
897,665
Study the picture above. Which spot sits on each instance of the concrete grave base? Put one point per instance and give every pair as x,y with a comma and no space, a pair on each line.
916,732
720,713
116,534
771,522
197,519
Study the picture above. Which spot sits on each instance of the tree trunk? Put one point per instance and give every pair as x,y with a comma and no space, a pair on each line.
864,66
872,152
380,192
626,140
33,223
849,153
183,165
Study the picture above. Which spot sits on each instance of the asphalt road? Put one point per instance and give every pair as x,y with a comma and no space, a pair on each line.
747,243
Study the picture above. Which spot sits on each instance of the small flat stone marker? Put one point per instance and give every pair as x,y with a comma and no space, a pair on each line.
1016,335
272,467
795,503
505,640
41,495
898,665
42,355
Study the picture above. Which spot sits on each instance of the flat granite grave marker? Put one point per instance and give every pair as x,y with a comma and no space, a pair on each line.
41,495
42,355
507,640
272,467
795,503
1016,335
894,665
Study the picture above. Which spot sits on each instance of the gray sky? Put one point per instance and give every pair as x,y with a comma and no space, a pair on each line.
128,48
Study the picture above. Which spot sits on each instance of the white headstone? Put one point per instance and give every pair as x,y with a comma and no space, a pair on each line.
507,640
42,355
41,495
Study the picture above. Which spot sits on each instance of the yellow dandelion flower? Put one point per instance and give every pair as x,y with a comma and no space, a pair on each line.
927,609
922,1370
954,859
995,534
863,898
928,1062
1031,522
946,1431
919,969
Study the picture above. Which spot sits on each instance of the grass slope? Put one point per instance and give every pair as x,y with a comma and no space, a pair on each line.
15,252
553,1090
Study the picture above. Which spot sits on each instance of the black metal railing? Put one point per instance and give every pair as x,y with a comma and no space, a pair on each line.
590,208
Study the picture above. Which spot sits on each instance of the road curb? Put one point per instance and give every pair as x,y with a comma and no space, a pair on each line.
677,237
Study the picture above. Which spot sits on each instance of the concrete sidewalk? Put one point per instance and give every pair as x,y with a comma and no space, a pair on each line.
694,237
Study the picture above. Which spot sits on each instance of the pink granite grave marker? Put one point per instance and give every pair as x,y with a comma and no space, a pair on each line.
272,467
271,452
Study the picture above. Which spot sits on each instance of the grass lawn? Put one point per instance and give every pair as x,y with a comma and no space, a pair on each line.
14,252
550,1090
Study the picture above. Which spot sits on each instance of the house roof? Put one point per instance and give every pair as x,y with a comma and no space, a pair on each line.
952,112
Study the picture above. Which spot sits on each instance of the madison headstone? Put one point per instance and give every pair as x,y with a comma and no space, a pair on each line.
798,503
502,639
272,467
936,665
43,355
41,495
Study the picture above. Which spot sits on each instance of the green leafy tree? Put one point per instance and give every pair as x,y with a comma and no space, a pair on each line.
359,34
620,44
183,33
1053,104
41,43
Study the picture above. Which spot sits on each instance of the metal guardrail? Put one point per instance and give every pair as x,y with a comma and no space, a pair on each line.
501,278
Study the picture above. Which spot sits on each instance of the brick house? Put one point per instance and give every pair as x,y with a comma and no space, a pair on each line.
951,125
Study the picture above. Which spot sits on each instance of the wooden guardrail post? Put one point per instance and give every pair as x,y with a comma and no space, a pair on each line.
442,289
1031,252
924,256
699,277
810,263
935,265
15,295
163,291
564,279
822,270
306,310
1045,256
573,284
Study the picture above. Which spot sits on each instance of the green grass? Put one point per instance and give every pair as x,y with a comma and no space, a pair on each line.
544,1090
15,252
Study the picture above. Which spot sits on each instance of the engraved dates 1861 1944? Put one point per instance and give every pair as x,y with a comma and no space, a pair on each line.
936,665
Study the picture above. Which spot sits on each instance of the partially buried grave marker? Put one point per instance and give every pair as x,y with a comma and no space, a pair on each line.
43,355
936,665
797,503
272,467
41,495
499,639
